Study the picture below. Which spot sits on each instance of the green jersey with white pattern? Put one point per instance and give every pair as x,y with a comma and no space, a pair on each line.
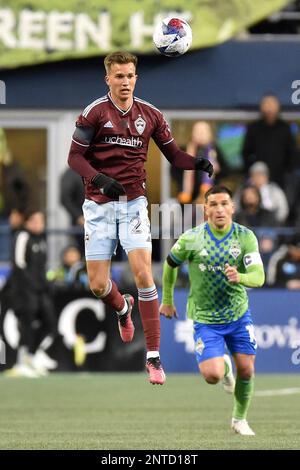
212,298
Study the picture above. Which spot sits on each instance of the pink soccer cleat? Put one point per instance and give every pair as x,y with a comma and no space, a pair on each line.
155,371
126,326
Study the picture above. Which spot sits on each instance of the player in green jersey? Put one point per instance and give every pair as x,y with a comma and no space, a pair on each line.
223,260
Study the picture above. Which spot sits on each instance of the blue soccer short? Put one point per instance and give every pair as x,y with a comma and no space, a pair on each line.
210,339
105,224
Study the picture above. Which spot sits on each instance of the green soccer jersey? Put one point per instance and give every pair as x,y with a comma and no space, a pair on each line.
212,298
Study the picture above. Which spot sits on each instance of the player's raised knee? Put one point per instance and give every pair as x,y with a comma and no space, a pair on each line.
97,287
213,377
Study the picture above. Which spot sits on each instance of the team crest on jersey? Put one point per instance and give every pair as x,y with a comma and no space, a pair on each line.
140,124
235,250
199,346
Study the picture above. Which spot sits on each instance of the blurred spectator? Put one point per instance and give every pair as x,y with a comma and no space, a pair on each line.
267,241
14,189
251,212
272,196
16,220
30,299
270,140
72,272
196,183
72,198
284,267
14,195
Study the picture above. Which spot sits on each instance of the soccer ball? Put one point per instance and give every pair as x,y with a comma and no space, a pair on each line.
172,36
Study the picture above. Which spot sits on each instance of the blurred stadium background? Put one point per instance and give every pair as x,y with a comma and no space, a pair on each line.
51,58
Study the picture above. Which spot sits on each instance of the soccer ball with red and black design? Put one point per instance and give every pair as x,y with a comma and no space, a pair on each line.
172,36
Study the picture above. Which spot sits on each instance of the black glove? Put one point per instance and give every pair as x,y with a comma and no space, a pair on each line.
108,186
204,165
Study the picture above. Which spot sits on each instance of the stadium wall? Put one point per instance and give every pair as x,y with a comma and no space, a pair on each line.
233,75
276,315
79,315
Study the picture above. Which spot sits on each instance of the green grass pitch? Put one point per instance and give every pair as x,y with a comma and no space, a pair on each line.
123,411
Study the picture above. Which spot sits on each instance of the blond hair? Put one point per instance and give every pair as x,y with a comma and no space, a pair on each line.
119,57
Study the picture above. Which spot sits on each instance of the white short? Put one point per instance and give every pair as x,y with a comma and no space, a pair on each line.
105,224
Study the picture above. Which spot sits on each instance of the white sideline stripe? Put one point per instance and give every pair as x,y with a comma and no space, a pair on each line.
277,392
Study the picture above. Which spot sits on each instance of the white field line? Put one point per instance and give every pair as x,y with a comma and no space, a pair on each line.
277,392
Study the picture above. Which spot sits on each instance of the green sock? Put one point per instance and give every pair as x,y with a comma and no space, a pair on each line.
242,397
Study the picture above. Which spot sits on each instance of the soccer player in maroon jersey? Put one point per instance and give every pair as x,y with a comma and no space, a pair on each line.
109,148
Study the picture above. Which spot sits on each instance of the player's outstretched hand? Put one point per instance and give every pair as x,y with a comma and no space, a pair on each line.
168,311
204,165
232,274
108,186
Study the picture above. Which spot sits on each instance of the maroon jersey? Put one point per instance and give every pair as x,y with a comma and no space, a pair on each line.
120,143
